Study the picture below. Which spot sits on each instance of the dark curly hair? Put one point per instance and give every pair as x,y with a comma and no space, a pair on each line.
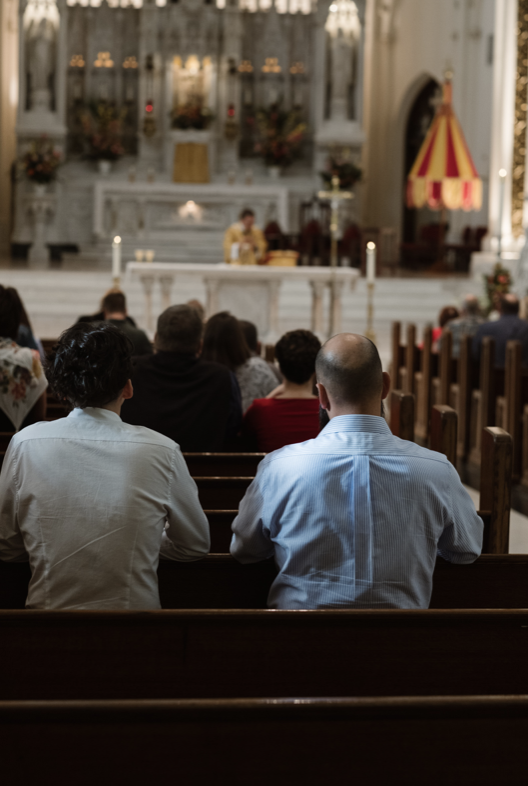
296,352
90,365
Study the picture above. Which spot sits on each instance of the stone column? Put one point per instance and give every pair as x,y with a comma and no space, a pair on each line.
336,307
147,283
166,287
318,288
211,287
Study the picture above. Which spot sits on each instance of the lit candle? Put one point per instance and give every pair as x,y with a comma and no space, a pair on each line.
371,262
116,257
502,187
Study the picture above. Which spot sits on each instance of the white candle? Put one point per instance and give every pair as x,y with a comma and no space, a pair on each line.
371,263
116,257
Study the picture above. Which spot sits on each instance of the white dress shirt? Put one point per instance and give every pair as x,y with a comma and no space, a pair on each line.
355,519
92,500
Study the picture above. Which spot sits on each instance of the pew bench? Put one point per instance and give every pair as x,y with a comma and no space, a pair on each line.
433,740
72,655
223,464
218,581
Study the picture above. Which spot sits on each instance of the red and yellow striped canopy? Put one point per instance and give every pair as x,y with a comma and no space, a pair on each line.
444,175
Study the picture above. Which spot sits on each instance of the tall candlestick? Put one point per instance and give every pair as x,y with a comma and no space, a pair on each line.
116,260
502,187
371,263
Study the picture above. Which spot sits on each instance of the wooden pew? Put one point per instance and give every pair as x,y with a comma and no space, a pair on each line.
397,355
220,582
467,382
444,423
217,493
311,741
402,414
223,464
483,409
423,380
265,654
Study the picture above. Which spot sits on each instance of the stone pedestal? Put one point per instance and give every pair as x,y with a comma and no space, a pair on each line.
40,209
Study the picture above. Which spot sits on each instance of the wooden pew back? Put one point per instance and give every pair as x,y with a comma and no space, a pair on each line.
223,464
314,741
264,654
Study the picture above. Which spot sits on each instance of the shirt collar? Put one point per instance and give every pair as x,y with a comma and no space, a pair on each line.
357,423
95,412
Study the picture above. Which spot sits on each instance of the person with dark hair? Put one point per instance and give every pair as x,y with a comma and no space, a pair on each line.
22,381
25,336
99,316
255,347
290,413
115,312
244,243
193,401
510,327
225,343
355,518
93,502
446,315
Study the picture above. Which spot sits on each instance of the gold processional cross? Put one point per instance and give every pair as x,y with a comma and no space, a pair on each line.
335,196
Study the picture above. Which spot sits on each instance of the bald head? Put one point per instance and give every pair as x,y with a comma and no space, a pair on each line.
349,367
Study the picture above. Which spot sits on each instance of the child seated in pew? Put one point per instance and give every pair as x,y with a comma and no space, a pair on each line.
355,518
90,500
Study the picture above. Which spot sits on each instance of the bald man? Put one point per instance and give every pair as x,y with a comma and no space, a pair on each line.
510,327
356,517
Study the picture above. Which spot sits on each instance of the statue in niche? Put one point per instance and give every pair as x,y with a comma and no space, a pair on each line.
41,61
344,30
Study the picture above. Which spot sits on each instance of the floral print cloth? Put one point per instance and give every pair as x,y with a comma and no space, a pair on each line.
22,380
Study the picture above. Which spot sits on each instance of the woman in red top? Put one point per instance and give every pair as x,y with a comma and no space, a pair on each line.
290,413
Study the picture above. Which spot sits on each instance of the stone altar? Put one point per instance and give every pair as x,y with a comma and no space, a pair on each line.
249,292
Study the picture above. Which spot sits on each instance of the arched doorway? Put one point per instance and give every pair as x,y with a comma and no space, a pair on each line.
420,118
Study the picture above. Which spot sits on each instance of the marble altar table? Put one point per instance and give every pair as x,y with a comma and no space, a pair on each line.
249,292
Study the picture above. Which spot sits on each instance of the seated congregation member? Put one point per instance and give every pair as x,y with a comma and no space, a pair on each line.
99,317
355,517
25,336
509,327
115,312
255,347
466,324
225,343
89,500
447,314
22,381
290,413
193,401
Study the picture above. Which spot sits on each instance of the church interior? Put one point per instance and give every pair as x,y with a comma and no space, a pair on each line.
323,166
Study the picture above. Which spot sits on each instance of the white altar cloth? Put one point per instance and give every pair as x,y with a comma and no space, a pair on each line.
249,292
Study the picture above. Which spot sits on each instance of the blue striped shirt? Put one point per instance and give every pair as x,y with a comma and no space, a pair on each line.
355,519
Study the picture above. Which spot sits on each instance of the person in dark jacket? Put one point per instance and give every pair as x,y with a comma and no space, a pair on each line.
193,401
510,327
115,311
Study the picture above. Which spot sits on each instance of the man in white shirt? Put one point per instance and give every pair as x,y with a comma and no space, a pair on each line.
356,517
90,500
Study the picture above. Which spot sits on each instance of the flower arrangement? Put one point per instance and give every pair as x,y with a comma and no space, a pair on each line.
194,116
280,135
41,162
347,172
496,284
102,127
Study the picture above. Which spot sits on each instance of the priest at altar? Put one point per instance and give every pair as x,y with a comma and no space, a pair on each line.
244,243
